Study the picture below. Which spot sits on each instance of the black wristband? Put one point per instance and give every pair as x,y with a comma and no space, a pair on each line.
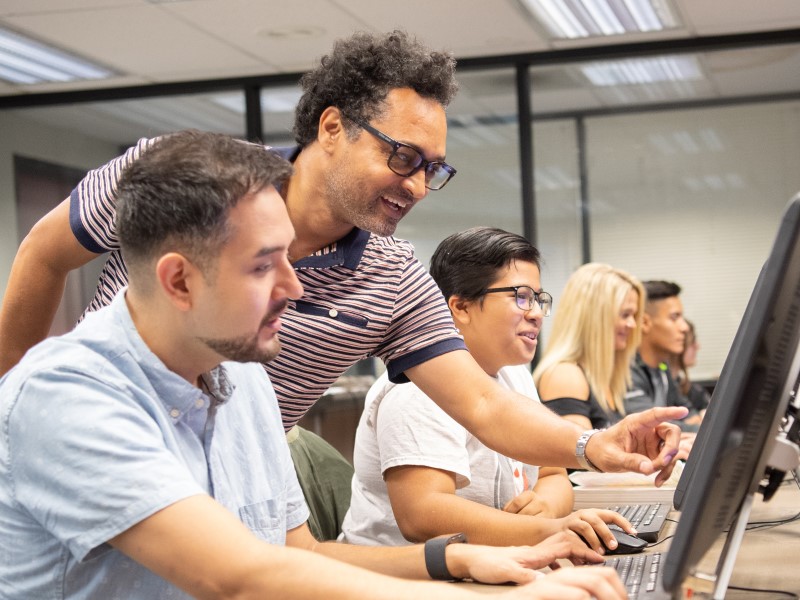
435,561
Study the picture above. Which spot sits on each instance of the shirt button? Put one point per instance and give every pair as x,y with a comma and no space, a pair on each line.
199,403
174,413
333,313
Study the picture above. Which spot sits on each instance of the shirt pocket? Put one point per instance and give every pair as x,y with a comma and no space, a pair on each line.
304,307
266,519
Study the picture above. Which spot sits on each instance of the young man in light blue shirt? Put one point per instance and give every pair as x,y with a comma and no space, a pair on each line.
142,455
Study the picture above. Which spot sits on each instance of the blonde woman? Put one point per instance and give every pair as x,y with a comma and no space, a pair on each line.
596,330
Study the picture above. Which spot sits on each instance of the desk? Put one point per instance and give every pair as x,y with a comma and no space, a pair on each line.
767,558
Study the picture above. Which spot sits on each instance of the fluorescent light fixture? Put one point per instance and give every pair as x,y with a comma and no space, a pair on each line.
24,60
588,18
640,71
273,100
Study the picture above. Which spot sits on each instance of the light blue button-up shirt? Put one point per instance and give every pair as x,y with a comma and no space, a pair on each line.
96,434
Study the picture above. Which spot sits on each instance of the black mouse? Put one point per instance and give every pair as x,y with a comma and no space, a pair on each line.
626,543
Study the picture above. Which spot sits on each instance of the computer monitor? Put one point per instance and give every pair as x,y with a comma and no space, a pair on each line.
735,444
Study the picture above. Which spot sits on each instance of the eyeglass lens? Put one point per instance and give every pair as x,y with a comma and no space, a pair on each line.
526,298
404,161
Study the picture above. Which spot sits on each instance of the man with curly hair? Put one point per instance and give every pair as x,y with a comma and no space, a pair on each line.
371,132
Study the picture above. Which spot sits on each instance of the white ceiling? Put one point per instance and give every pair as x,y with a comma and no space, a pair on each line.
166,41
153,41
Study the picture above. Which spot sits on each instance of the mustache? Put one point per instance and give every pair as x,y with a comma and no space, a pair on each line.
275,312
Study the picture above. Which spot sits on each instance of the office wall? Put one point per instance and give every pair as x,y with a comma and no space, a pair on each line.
23,136
691,194
694,196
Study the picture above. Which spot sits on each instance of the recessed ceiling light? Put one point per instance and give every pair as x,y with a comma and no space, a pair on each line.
640,71
589,18
25,60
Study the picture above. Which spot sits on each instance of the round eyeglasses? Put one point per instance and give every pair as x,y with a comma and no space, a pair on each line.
526,296
406,160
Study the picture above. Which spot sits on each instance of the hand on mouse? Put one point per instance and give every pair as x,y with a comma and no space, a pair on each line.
591,524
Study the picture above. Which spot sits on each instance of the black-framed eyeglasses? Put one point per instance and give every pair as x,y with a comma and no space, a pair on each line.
406,160
525,296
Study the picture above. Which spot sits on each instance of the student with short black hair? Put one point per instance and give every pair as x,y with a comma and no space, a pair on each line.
663,334
418,473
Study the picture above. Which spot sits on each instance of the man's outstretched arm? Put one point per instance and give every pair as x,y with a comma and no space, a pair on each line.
202,548
36,283
515,426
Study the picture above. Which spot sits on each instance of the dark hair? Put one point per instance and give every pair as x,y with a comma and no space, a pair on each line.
659,290
178,194
466,263
361,70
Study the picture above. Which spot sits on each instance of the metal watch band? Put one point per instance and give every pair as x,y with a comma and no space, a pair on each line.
580,450
435,561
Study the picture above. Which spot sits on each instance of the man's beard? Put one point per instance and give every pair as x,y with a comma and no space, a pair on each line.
246,348
367,217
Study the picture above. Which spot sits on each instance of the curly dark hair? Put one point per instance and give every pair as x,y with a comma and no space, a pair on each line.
361,70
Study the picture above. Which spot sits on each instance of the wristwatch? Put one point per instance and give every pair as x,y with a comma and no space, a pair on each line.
580,450
435,561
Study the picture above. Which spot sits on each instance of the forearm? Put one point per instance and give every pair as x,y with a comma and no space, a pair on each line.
407,562
36,283
28,308
503,420
441,513
295,574
173,543
516,427
556,491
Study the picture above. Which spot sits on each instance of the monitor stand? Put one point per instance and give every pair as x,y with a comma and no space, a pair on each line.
731,548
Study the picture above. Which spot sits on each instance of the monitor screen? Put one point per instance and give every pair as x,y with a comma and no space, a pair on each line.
729,459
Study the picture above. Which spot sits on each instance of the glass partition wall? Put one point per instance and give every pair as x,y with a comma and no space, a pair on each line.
672,174
654,162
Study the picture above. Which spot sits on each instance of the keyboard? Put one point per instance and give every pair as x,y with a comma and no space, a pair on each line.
640,573
647,519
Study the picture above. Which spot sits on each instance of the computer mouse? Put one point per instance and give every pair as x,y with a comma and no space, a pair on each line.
626,543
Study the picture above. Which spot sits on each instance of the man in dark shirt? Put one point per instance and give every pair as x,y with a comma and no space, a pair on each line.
663,335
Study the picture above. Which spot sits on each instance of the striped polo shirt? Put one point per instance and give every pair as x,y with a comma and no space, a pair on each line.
365,295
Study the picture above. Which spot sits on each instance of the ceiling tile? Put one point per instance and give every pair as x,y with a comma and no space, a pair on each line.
141,40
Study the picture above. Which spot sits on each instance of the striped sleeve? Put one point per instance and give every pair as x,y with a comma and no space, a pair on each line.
93,202
422,326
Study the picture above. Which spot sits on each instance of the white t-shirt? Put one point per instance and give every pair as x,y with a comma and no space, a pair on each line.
402,426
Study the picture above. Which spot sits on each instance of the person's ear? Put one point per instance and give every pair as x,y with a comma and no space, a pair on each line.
331,128
176,275
646,323
460,309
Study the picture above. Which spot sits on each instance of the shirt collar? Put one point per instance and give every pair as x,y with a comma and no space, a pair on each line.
345,252
172,389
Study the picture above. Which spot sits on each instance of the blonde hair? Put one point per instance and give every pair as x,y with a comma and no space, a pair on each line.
583,330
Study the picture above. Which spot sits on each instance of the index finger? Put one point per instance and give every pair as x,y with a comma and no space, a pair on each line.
669,444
